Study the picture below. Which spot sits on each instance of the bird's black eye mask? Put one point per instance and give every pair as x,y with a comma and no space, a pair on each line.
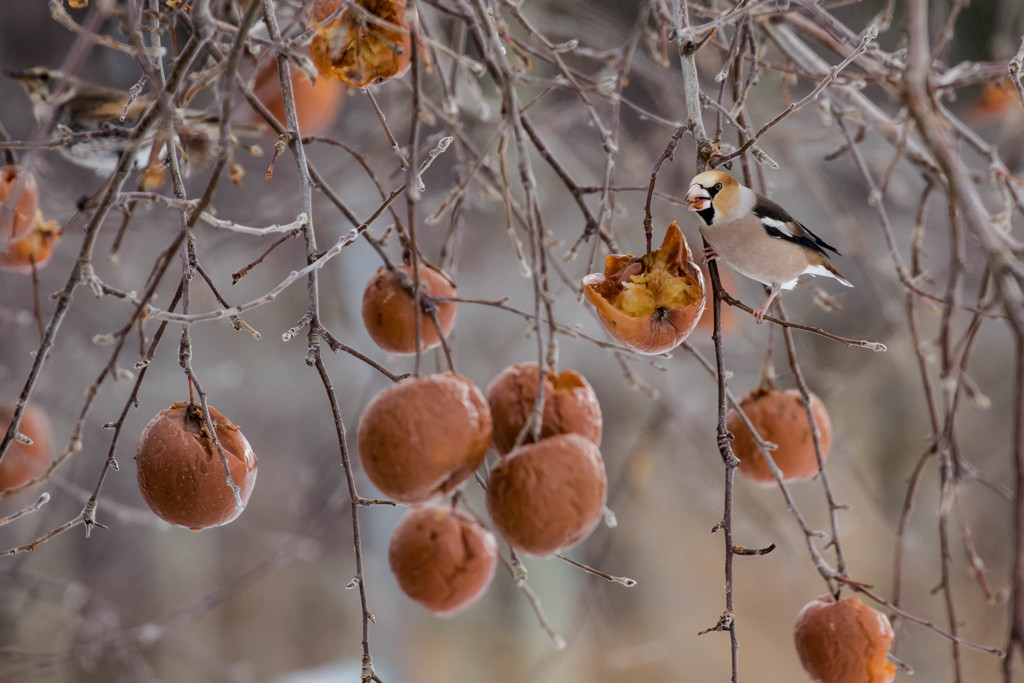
708,214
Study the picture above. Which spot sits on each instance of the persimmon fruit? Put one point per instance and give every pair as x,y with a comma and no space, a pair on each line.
779,417
649,303
546,496
316,104
844,641
180,472
19,201
34,248
421,438
442,558
24,462
389,310
368,42
570,405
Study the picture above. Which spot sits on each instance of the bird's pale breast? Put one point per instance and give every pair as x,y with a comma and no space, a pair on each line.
751,251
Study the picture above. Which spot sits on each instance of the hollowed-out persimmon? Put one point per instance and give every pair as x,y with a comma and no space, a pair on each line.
180,472
24,462
779,417
549,495
649,303
442,558
389,310
19,201
34,248
844,642
570,405
367,43
421,438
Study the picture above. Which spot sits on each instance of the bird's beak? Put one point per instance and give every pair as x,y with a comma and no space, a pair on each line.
21,76
697,198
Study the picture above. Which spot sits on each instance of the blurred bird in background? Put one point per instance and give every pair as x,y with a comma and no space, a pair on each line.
97,121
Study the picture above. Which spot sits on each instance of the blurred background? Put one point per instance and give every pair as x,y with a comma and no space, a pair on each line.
265,598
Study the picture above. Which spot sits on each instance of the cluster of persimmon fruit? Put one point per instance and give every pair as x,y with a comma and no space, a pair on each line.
651,304
422,438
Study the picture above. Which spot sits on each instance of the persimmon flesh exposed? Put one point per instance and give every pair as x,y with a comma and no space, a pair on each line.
367,43
649,303
19,200
35,247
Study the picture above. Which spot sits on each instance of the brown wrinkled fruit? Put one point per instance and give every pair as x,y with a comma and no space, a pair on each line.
546,496
422,437
19,201
389,311
779,417
649,303
180,472
35,247
844,642
367,43
316,104
23,462
570,405
442,558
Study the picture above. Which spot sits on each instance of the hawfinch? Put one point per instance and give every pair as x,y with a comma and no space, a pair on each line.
756,236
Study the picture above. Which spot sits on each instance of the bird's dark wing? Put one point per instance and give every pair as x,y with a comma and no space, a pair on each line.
778,223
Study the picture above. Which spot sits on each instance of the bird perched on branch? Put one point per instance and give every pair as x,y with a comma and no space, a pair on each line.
97,120
756,236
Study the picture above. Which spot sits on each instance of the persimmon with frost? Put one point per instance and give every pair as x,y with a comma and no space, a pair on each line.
423,437
19,201
844,642
442,558
34,248
366,43
549,495
649,303
23,462
316,104
779,417
389,311
180,471
570,405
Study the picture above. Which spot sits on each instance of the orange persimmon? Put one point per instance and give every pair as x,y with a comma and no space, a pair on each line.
367,43
19,201
844,642
649,303
779,417
23,461
180,472
316,104
36,246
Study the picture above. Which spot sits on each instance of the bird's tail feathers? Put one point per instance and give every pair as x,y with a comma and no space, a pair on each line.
827,269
